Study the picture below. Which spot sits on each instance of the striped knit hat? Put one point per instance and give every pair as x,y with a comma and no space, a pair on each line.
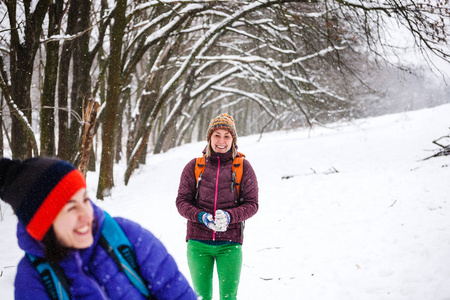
224,121
37,189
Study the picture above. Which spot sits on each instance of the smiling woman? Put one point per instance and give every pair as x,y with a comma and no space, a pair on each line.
222,133
76,250
221,141
73,225
216,213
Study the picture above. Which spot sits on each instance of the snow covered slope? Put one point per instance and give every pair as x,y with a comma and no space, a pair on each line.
360,216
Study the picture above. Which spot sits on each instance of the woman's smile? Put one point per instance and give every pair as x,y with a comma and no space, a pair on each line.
221,141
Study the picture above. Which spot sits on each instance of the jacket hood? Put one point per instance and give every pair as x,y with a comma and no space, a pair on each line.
30,245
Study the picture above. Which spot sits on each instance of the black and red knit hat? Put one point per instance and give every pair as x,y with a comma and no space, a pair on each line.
224,121
37,189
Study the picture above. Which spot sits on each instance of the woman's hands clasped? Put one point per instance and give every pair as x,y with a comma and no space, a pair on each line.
220,223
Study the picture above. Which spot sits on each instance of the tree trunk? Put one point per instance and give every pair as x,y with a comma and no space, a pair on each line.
169,125
125,99
201,124
63,86
22,54
106,179
47,117
90,120
81,84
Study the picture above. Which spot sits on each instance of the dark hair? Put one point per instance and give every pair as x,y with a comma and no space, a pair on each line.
53,250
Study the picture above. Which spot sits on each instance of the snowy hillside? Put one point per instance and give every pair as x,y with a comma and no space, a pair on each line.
361,216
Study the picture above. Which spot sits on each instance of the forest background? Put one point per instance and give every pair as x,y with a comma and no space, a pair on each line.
96,82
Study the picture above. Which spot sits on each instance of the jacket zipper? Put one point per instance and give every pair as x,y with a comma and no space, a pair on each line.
94,283
215,195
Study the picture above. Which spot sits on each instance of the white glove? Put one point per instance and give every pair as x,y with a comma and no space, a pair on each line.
222,220
208,220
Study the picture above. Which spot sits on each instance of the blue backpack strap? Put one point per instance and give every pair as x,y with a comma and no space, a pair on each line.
119,248
53,277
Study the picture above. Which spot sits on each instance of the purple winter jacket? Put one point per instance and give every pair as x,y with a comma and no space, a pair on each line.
218,165
93,275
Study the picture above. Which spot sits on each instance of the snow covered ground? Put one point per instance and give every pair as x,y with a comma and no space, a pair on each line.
361,217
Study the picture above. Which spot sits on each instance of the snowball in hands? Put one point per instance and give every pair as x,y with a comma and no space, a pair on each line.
208,220
222,219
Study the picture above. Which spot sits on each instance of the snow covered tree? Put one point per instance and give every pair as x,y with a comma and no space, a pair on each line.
25,27
162,69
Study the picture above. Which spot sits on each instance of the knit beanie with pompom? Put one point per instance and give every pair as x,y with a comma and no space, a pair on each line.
224,121
37,189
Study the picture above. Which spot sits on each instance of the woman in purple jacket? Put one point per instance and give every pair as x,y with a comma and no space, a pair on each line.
58,224
216,213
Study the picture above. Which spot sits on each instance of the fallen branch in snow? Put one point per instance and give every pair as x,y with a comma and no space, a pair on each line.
445,148
279,278
331,170
1,271
269,248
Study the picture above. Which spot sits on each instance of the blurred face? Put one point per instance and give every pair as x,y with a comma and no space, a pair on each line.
221,141
73,225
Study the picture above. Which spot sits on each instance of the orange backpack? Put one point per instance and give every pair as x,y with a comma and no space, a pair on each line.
237,169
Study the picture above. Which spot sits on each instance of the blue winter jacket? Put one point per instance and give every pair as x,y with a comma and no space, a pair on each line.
94,275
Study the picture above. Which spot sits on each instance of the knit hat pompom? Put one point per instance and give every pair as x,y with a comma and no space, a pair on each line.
224,121
37,189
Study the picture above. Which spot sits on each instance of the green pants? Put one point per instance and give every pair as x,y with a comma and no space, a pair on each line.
201,258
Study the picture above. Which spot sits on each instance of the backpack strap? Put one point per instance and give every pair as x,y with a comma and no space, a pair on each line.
53,277
237,169
119,248
199,169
